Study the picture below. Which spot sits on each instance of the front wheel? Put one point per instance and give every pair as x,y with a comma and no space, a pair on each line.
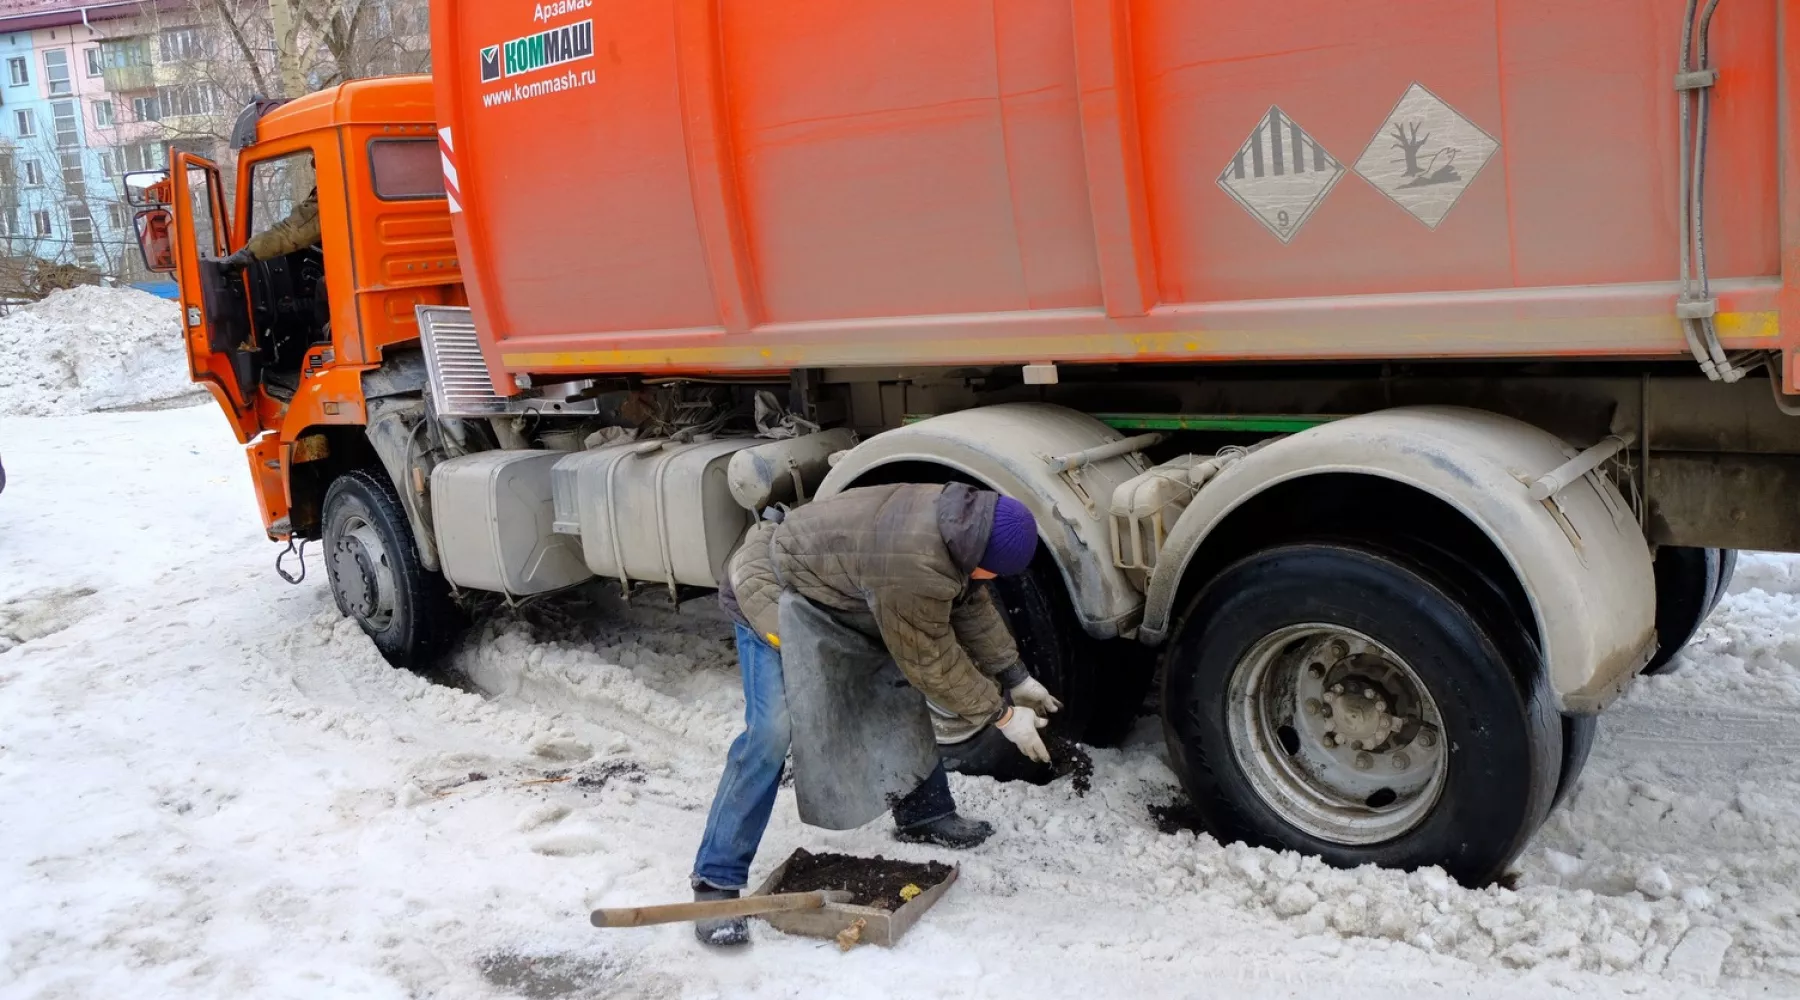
376,576
1346,703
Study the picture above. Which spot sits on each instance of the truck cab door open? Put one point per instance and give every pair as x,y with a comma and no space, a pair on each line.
220,345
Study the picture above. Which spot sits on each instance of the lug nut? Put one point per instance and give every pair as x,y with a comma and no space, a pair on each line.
1317,671
1337,689
1339,650
1369,693
1427,738
1381,706
1330,739
1401,762
1364,762
1313,706
1325,711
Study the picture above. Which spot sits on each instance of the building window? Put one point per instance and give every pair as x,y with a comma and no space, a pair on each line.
26,122
143,156
34,174
81,227
40,221
56,72
103,114
125,53
183,43
73,176
191,99
146,109
95,64
68,128
18,71
116,214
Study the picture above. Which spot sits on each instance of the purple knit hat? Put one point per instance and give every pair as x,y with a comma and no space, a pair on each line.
1013,541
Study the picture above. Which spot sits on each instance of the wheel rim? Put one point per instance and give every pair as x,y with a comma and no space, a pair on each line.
1337,734
359,563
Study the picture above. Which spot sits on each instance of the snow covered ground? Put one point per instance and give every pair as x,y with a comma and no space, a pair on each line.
211,786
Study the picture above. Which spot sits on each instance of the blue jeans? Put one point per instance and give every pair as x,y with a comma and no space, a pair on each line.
746,795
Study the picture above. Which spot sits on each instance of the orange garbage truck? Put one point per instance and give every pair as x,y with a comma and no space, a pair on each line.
1394,380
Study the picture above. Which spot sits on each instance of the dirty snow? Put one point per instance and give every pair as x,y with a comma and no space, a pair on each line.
91,349
213,787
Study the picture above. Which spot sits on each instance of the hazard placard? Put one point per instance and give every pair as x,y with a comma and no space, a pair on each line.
1281,175
1426,155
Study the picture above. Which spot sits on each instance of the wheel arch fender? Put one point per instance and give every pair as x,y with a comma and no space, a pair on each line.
1580,557
1004,448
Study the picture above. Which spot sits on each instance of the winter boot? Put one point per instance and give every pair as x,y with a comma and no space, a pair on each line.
954,831
723,932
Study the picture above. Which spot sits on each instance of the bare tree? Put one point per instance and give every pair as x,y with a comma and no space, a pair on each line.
359,37
1410,146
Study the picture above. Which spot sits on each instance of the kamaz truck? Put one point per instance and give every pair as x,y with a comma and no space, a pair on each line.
1391,378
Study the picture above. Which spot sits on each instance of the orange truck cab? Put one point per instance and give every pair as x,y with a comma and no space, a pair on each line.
284,346
1400,377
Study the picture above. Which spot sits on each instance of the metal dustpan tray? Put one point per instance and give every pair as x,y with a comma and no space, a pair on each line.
882,927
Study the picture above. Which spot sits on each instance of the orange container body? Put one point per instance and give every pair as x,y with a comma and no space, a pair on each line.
732,185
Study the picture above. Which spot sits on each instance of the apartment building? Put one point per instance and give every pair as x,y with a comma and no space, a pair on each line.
92,90
88,93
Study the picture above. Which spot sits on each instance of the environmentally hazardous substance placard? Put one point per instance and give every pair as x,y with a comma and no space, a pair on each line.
1425,155
1281,175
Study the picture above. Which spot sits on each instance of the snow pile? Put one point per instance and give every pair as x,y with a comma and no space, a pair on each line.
91,349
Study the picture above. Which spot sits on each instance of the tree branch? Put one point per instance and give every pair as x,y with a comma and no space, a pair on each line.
237,34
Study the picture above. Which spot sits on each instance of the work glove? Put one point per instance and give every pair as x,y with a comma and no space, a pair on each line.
1034,695
237,262
1021,725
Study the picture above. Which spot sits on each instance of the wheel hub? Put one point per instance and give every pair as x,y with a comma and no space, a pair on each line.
1337,734
360,569
1360,716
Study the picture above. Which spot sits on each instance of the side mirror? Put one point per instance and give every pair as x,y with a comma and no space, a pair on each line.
156,239
148,189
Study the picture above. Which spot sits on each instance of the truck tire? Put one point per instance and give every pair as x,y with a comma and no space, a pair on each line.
1051,645
1295,643
1101,685
1689,583
1727,570
376,578
1579,733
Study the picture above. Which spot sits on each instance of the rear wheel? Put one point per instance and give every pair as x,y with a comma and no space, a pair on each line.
1347,703
1101,684
376,577
1727,570
1689,583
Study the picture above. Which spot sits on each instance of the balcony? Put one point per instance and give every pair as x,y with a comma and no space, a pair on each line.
120,79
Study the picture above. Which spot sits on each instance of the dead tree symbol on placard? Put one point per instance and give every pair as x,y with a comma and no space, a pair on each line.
1439,169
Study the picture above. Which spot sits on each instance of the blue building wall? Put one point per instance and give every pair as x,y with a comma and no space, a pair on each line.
16,96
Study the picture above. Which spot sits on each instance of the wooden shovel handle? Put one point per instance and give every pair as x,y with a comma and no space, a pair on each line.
717,909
